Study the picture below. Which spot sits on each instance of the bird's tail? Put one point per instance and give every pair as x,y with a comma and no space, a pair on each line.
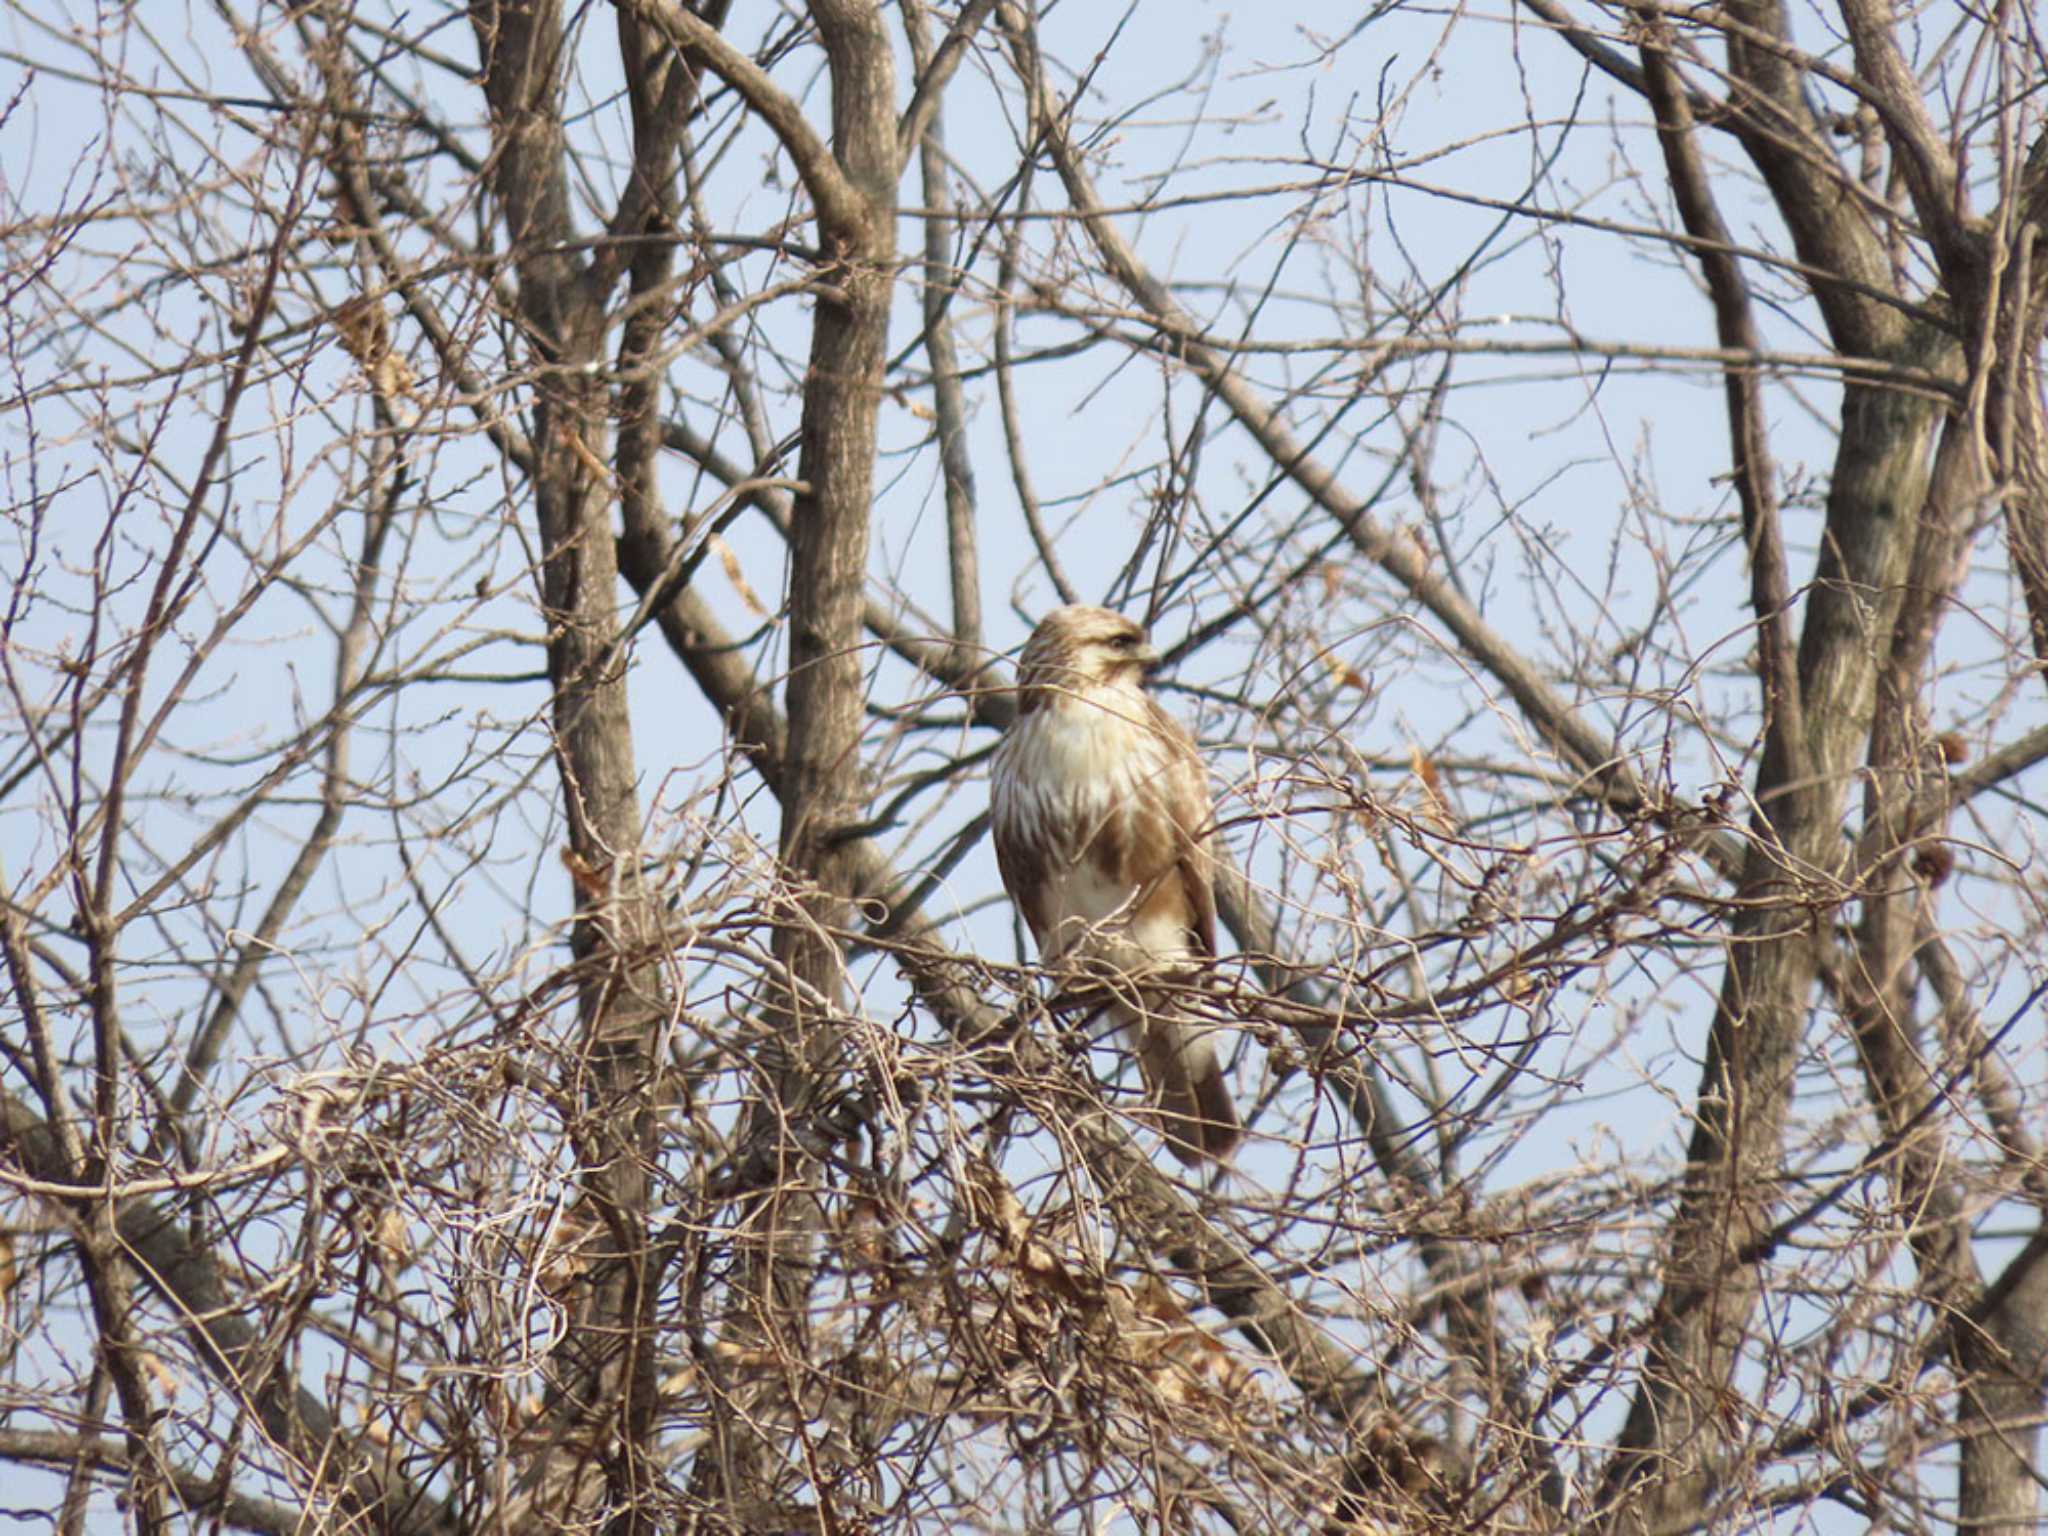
1192,1100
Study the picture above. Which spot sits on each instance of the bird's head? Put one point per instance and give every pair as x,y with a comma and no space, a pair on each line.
1077,649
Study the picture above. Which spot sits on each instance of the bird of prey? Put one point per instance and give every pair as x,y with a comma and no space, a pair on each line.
1102,820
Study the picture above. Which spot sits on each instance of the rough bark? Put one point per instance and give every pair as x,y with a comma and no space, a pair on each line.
602,1394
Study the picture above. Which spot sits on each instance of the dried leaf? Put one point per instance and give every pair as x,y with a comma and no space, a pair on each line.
1156,1301
1434,805
745,1357
597,467
996,1208
160,1372
863,1234
393,376
590,882
366,337
731,561
1186,1355
1517,985
1934,862
360,325
392,1242
563,1256
1347,675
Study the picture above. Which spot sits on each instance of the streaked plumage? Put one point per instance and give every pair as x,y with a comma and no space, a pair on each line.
1101,817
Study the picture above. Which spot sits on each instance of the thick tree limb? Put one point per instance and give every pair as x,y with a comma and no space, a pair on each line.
237,1352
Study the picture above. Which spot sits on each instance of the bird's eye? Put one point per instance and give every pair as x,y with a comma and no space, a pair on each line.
1124,642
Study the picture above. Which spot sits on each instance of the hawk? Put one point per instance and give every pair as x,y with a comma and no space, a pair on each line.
1101,817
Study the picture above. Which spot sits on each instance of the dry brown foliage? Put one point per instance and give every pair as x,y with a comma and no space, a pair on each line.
510,1023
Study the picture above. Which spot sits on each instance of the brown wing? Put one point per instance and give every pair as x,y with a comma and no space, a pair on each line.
1185,797
1194,1107
1023,858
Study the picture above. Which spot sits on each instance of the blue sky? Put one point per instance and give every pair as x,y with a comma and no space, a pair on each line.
1579,495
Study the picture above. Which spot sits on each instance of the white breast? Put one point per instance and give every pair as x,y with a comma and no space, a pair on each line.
1071,772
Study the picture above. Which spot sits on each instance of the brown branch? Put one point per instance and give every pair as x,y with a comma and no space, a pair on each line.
600,1413
836,194
200,1495
1930,171
237,1352
1823,207
1159,1215
1556,720
949,402
1750,450
935,70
